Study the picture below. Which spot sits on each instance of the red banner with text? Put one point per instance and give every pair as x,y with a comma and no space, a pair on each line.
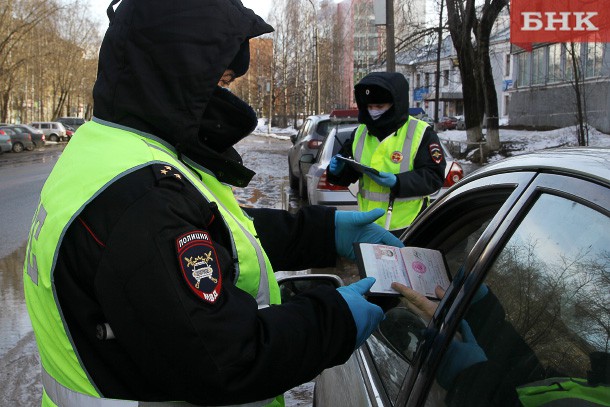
536,21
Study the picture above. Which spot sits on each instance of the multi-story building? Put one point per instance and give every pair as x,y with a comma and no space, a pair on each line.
545,85
420,67
364,41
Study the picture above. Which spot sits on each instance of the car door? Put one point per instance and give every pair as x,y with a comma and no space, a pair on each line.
532,301
376,372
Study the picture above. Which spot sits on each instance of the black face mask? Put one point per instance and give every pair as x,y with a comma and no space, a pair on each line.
227,119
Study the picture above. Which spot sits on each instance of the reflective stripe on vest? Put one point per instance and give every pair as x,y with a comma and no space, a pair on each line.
64,397
111,153
564,392
395,154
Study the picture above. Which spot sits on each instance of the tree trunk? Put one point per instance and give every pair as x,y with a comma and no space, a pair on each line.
461,20
489,15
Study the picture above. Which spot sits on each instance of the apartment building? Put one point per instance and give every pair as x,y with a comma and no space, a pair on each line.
546,81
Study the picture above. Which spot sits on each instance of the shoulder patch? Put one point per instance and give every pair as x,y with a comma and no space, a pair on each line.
436,153
199,265
164,171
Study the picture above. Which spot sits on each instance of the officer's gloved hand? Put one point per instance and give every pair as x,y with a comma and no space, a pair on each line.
460,356
359,227
336,165
385,179
367,316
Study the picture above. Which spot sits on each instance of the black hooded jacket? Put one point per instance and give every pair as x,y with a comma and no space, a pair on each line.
428,173
118,264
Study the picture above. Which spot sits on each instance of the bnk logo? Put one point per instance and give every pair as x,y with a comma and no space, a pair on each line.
535,21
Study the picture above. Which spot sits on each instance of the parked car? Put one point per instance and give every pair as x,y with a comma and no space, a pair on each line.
319,190
428,120
37,136
6,144
53,131
447,123
309,139
21,141
453,173
461,123
69,131
526,244
74,122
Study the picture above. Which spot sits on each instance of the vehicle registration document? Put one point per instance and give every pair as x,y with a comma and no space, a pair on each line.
418,268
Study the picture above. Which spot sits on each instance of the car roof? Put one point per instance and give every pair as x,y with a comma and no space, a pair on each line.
588,162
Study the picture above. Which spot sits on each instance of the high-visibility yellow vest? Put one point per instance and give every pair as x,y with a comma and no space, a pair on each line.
96,156
562,391
395,154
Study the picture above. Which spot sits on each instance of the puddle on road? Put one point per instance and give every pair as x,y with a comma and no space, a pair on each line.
14,319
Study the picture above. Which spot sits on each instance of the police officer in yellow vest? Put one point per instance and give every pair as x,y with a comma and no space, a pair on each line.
145,281
405,151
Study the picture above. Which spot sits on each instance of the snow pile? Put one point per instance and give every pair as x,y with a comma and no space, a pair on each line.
524,141
263,130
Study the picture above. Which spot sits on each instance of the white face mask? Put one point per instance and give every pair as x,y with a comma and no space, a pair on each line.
377,113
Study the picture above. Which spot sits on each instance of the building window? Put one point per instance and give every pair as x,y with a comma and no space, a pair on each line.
538,65
594,60
507,65
555,63
523,74
572,52
427,84
446,77
418,81
506,102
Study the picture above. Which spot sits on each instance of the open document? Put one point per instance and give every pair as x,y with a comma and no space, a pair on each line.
418,268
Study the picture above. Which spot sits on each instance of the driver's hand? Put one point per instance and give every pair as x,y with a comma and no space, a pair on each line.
418,303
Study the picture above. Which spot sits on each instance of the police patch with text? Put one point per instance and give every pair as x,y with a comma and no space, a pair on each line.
199,264
436,153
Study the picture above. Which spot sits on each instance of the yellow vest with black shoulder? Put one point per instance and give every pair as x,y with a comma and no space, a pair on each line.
394,154
97,155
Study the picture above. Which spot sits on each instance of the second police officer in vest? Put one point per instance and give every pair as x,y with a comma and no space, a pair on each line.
138,234
405,151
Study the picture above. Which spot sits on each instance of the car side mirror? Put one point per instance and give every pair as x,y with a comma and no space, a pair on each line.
291,286
293,138
307,159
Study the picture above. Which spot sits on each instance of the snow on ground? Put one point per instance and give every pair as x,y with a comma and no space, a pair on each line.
524,141
518,141
263,130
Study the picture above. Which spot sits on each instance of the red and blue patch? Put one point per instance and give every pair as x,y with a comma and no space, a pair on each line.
199,264
436,153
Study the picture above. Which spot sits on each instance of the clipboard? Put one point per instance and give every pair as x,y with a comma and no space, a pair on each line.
358,167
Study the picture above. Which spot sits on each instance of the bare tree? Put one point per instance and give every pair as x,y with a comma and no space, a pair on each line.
576,77
470,27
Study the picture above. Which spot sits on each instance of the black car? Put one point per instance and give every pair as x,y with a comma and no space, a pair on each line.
21,141
37,136
527,246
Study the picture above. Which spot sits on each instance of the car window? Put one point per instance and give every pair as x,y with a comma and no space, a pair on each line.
324,127
45,126
541,317
394,345
304,130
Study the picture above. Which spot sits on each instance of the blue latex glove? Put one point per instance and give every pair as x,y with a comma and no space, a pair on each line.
358,227
336,166
367,316
460,356
385,179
